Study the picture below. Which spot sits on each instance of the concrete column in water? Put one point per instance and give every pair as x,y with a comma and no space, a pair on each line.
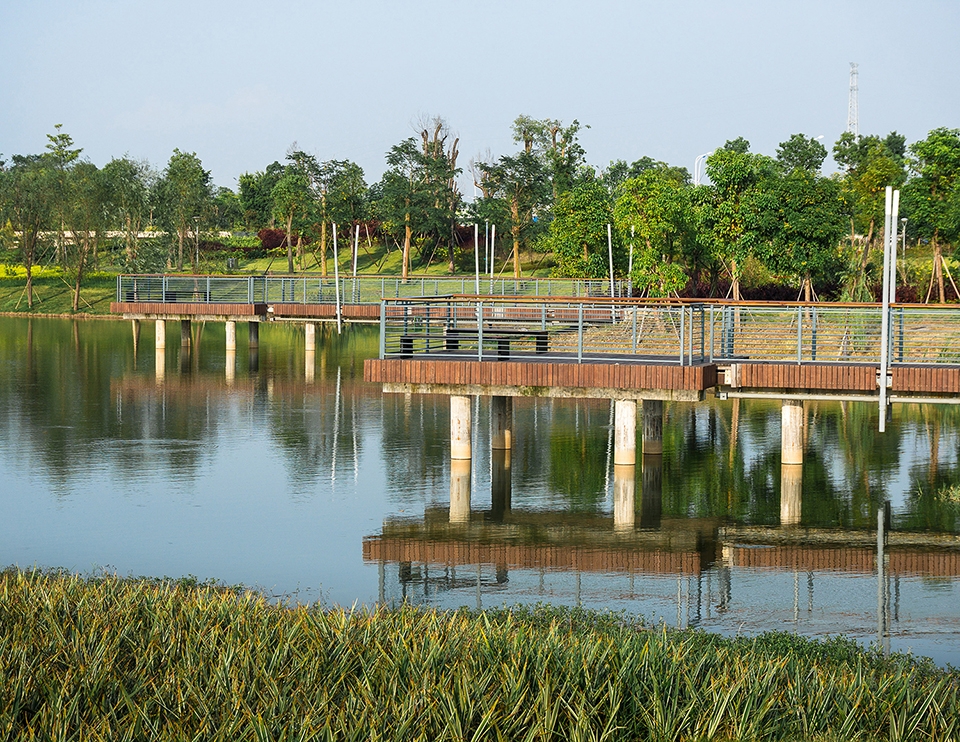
310,333
625,432
231,366
184,332
231,333
791,431
653,426
460,428
460,490
310,366
161,334
791,491
254,335
136,336
624,497
501,417
161,364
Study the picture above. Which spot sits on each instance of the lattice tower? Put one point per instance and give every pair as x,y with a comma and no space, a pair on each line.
853,106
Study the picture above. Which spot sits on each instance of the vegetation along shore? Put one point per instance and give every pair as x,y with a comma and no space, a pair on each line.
112,658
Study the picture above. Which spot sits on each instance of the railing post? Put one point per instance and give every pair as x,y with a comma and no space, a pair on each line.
900,344
383,329
580,332
813,335
543,316
712,346
633,345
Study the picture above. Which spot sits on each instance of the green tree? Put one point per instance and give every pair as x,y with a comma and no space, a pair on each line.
28,197
654,208
801,153
871,164
183,198
291,195
578,233
256,196
556,145
87,219
729,212
62,157
801,221
935,164
128,184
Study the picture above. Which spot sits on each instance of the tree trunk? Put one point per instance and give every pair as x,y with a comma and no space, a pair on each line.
735,281
807,289
82,253
938,266
289,245
28,264
180,233
407,234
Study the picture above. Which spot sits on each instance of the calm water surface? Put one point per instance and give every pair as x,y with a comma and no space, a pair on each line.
324,488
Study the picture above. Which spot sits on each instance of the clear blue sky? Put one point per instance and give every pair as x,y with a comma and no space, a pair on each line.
238,82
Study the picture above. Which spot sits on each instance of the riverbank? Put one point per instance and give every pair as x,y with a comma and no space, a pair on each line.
141,658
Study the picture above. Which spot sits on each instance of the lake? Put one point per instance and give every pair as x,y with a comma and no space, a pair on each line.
312,485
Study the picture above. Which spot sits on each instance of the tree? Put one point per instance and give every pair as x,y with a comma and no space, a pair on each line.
62,157
871,165
86,218
654,207
801,153
183,197
28,201
557,147
935,163
256,196
291,195
578,233
729,213
801,221
128,184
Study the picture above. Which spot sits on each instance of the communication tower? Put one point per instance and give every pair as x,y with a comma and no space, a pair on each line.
853,107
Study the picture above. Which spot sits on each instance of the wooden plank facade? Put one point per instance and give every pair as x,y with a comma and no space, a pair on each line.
821,377
625,376
846,559
160,310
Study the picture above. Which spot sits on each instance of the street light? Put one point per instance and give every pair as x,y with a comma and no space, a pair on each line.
697,175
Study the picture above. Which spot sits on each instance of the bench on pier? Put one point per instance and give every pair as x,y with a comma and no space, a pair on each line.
453,336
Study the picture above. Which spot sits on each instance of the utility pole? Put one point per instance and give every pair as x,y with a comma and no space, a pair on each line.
853,106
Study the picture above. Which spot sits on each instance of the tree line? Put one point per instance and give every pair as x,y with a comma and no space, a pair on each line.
779,214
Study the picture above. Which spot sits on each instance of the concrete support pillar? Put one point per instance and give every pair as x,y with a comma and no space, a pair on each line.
254,340
231,366
624,497
184,332
460,491
501,420
231,331
653,426
791,432
500,484
310,331
651,496
253,360
791,494
161,334
460,428
625,432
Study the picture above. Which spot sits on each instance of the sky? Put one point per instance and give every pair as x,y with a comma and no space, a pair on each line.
239,82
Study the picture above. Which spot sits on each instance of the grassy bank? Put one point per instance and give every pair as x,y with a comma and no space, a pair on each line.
54,295
108,658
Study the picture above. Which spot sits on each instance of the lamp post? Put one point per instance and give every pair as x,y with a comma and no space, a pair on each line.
697,175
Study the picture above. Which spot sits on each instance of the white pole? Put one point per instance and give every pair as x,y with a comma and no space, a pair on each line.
610,255
356,245
486,245
476,253
493,247
894,221
630,265
336,275
885,306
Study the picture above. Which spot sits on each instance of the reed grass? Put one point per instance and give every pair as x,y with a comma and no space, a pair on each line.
107,658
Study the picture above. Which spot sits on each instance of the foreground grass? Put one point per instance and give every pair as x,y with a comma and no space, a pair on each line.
108,658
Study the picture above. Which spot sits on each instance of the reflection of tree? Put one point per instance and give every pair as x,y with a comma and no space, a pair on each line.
580,456
415,442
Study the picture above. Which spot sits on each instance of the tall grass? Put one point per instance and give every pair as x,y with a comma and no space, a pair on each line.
119,659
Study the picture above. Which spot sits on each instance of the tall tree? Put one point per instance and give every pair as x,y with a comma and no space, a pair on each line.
256,196
578,232
28,199
63,155
86,219
128,184
654,208
801,153
291,195
935,163
183,196
729,214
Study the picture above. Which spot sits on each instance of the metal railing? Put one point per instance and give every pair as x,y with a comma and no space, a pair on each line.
358,290
560,330
683,333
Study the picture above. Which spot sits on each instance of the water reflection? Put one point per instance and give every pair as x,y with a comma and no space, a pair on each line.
281,468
